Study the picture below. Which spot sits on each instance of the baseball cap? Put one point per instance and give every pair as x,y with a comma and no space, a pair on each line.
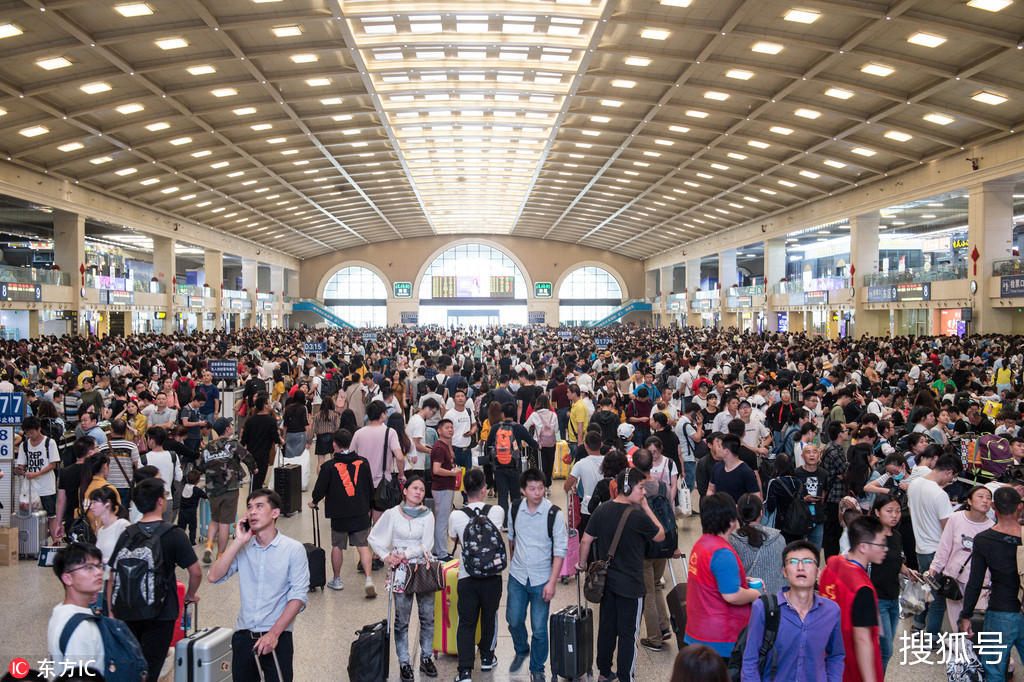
625,431
221,424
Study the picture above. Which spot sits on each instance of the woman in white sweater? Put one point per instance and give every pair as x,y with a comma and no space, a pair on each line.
405,534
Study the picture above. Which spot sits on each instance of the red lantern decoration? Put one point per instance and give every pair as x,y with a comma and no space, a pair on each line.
974,257
853,270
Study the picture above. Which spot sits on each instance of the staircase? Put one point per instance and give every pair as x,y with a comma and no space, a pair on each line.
631,306
310,305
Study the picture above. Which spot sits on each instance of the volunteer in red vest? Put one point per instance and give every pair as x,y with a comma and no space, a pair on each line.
507,443
718,597
845,580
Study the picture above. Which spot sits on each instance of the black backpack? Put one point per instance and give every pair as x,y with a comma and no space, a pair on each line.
798,519
662,509
552,517
139,574
772,618
483,548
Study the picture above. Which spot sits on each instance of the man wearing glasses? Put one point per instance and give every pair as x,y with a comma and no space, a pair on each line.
809,642
79,567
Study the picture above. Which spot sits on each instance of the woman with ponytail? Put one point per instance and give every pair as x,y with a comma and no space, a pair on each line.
759,547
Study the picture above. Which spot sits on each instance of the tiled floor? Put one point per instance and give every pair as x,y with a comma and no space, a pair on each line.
324,631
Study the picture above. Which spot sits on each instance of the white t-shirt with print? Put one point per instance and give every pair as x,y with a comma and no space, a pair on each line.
36,458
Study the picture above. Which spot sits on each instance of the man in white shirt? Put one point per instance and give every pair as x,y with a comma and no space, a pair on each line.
756,435
166,462
586,471
731,411
416,429
462,420
80,569
37,458
880,405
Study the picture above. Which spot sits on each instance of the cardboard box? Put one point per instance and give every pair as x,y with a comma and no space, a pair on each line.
8,546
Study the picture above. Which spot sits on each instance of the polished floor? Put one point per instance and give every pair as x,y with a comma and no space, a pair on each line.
324,631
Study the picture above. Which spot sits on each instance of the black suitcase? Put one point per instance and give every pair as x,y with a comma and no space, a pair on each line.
676,599
571,631
369,657
288,484
316,556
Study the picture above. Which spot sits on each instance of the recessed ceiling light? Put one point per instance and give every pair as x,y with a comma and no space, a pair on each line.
180,141
898,136
694,113
787,183
94,88
802,16
342,117
766,48
224,92
171,43
261,126
654,154
306,58
132,108
611,103
738,157
986,97
877,69
201,70
715,95
767,191
679,129
133,9
9,31
287,31
126,171
939,119
926,39
664,143
52,63
201,153
149,181
676,3
620,83
758,144
637,61
720,166
600,119
990,5
739,74
834,164
277,140
236,174
655,33
71,146
780,130
318,82
810,174
839,93
100,160
219,164
169,190
863,151
203,204
159,125
807,113
244,111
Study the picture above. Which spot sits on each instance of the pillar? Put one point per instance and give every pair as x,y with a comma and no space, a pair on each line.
213,266
69,256
292,284
990,231
728,273
774,270
164,267
864,259
665,285
250,283
33,324
692,284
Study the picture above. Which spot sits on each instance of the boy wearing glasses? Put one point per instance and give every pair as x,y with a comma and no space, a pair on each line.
809,643
79,567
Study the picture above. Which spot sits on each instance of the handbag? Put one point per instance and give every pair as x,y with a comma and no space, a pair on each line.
389,492
949,587
424,578
597,571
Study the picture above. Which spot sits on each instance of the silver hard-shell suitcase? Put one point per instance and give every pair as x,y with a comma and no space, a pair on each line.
204,657
32,530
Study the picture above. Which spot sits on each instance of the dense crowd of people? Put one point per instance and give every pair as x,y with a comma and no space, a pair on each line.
828,475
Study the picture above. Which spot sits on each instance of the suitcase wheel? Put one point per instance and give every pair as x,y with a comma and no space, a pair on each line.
565,580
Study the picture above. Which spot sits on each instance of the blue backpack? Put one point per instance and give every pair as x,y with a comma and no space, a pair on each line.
785,444
124,661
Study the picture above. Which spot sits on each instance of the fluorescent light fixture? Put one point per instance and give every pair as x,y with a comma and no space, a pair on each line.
277,140
779,130
758,144
201,70
244,111
95,88
620,83
307,58
739,74
219,164
169,190
329,101
100,160
159,125
679,129
839,93
637,61
767,191
720,166
715,95
132,108
133,9
807,113
149,181
171,43
600,119
9,31
898,136
990,5
877,70
694,113
810,174
286,31
201,153
676,3
787,183
126,171
802,16
834,164
611,103
655,33
986,97
51,63
766,47
664,143
863,151
177,142
71,146
224,92
261,126
926,39
738,157
318,82
939,119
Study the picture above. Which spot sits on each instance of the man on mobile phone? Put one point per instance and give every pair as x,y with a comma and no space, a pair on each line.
273,584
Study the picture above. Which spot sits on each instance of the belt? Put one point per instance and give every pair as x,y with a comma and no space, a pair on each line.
254,635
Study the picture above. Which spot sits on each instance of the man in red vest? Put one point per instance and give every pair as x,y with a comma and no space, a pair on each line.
845,580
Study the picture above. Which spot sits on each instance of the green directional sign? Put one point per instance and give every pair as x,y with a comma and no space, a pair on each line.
542,289
403,289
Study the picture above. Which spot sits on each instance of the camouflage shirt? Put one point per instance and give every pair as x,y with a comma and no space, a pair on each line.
221,461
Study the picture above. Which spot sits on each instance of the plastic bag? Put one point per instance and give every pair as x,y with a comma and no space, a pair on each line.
29,498
914,597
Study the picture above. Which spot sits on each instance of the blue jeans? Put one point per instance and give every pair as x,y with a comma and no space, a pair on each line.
931,620
463,457
519,597
563,420
889,614
1011,625
640,435
816,534
690,472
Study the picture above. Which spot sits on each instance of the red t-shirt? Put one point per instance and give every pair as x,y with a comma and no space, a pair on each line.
443,455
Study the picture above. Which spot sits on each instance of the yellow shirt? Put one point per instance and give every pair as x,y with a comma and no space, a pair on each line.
97,482
578,415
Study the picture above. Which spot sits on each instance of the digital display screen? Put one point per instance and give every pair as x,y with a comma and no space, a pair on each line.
473,286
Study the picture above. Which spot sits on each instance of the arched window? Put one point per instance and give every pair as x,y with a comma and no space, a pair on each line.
472,285
358,296
587,295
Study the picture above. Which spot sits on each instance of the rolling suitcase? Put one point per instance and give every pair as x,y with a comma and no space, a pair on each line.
572,639
572,552
676,599
31,529
181,632
369,657
446,612
288,484
204,657
561,468
316,556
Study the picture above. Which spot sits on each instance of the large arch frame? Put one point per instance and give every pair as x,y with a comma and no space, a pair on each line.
593,264
469,240
322,286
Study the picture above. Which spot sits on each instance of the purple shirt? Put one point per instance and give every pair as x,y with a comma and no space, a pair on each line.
811,649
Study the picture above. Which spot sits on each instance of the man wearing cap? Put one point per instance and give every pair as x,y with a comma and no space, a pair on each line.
221,460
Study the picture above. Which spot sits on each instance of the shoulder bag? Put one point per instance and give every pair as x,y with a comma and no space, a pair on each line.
389,492
597,571
424,578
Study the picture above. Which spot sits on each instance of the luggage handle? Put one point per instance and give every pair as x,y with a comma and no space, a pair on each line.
263,677
185,620
316,525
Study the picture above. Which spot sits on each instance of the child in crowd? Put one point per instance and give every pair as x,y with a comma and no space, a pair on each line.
189,508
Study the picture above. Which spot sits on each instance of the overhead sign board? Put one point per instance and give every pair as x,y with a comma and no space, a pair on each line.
223,369
12,408
20,291
403,289
1011,286
318,348
542,289
564,334
602,342
370,336
535,317
410,317
900,292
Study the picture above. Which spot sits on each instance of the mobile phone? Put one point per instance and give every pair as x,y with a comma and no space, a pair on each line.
245,525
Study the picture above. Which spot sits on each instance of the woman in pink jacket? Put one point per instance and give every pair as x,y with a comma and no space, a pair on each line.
953,557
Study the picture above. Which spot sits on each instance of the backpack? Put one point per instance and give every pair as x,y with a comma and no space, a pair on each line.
506,450
552,517
798,519
184,392
826,424
121,651
662,509
772,618
546,437
785,444
483,548
139,574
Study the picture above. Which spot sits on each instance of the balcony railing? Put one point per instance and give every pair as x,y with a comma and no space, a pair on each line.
798,285
755,290
1013,266
939,273
34,276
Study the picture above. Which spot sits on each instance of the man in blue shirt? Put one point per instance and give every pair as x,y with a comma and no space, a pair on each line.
539,540
809,643
273,580
211,398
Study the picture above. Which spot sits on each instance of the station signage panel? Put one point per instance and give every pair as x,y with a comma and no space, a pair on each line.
403,289
317,348
1011,286
900,292
20,291
535,317
542,289
223,369
410,317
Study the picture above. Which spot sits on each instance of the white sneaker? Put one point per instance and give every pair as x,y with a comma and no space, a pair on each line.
371,591
208,555
335,584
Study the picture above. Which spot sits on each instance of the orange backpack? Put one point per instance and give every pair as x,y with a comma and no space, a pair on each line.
506,449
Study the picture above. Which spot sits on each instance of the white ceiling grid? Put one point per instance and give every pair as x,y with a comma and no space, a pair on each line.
628,125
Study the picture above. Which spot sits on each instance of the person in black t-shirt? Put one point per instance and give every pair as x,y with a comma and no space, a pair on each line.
886,575
669,439
624,586
732,475
155,634
69,483
260,436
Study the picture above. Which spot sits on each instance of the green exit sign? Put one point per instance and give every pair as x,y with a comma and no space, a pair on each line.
403,289
542,289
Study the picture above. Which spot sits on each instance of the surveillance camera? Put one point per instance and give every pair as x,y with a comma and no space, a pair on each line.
973,161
